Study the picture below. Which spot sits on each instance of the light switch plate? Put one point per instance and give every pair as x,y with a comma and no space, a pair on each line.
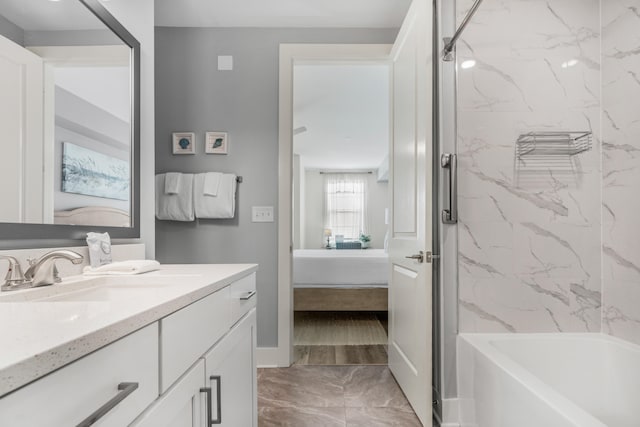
225,63
262,214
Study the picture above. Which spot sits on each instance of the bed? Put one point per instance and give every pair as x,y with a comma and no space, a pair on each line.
93,215
340,280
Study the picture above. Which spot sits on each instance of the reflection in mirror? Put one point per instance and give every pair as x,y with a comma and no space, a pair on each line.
67,156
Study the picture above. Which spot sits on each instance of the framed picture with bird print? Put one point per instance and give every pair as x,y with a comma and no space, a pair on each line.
216,143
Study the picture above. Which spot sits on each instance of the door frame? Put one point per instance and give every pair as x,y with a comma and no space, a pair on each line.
290,54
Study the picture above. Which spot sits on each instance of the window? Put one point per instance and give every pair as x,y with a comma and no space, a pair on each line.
345,204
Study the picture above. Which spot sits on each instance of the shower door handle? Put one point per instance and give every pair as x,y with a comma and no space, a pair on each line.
450,162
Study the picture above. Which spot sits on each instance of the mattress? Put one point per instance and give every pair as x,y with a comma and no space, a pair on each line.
340,268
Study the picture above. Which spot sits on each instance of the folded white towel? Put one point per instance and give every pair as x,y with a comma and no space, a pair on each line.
172,183
123,268
211,183
221,206
175,207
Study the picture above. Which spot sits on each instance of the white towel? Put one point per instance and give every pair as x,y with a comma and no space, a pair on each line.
221,206
172,183
211,183
175,207
123,268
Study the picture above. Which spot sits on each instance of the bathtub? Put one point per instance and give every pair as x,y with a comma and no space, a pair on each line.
548,380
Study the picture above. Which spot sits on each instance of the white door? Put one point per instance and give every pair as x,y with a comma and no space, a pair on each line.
410,234
21,83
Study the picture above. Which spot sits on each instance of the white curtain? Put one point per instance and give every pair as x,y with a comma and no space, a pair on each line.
345,204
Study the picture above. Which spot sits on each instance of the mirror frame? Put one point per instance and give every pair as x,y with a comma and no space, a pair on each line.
22,231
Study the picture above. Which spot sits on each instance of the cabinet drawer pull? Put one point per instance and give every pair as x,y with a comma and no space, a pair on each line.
218,381
125,390
207,390
247,296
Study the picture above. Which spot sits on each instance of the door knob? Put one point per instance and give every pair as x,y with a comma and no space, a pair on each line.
418,257
421,257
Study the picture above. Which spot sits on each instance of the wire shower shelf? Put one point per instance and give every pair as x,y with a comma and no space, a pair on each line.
546,144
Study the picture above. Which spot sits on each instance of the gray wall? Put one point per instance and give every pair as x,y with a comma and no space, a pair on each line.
11,31
191,95
71,38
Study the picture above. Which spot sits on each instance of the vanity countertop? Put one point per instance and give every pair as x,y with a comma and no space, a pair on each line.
38,337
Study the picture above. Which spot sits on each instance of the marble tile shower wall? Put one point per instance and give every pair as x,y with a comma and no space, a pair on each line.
529,238
621,168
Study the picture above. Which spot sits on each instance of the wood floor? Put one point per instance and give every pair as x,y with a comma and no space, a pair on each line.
340,338
353,396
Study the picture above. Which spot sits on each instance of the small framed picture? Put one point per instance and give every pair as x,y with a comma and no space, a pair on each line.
184,143
216,143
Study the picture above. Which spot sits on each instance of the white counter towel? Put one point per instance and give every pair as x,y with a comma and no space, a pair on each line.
123,268
172,183
221,206
211,183
175,207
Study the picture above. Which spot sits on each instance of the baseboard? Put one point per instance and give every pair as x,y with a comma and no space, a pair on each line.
450,412
268,357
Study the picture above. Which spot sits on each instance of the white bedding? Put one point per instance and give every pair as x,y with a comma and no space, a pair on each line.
340,268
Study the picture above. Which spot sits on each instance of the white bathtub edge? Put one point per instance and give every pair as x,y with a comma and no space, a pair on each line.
543,392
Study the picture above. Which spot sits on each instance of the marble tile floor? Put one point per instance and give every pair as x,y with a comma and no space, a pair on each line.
310,396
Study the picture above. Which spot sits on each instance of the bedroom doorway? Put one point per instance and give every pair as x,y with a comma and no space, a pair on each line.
340,212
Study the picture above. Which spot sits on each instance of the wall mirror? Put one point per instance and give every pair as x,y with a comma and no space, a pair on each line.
69,116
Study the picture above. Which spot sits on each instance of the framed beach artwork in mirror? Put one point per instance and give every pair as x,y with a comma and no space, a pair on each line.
88,172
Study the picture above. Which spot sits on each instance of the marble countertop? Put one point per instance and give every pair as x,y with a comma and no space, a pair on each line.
38,337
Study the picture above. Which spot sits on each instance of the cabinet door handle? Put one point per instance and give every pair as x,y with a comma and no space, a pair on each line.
218,381
207,390
247,296
125,390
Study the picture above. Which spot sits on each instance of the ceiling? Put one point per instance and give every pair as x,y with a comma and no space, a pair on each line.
41,15
281,13
345,111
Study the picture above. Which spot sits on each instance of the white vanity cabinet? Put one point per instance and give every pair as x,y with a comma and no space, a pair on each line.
211,380
183,405
230,374
70,395
189,360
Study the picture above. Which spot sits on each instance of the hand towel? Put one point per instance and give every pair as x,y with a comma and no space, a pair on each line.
172,183
175,207
219,207
211,183
123,268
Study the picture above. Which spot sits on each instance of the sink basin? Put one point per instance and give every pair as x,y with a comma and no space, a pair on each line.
102,288
102,293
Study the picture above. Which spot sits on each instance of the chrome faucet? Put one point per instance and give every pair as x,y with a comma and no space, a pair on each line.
14,278
43,272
